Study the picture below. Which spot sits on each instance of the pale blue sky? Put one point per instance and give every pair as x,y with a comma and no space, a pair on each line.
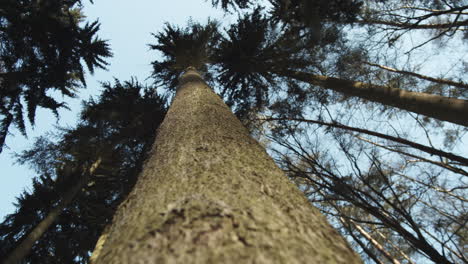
127,25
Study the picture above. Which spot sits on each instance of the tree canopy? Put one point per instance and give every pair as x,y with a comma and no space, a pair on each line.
344,94
118,129
44,46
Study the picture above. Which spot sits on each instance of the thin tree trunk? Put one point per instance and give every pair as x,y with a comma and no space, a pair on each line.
369,253
437,188
415,25
375,243
420,76
403,254
443,108
429,150
419,158
460,254
438,12
209,193
22,250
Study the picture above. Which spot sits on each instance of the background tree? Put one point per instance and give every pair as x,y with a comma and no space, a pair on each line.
444,20
392,181
427,179
373,192
116,129
43,46
268,56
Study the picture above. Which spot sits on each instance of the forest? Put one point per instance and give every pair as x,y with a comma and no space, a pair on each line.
305,131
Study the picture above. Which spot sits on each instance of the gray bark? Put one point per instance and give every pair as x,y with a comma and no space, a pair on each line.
209,193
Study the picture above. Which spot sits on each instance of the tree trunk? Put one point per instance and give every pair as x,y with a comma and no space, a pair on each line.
28,241
375,243
420,76
429,150
23,248
439,107
209,193
415,25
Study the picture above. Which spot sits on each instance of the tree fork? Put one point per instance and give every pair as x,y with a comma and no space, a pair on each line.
209,193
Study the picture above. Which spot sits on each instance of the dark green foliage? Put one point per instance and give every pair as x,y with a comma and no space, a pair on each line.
312,13
302,13
248,56
242,60
243,56
43,47
247,60
119,128
181,48
226,4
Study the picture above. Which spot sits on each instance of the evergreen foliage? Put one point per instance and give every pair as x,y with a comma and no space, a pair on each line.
313,13
227,4
242,60
395,202
44,44
119,127
181,48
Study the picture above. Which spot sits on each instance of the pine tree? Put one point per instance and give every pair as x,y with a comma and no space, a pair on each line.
209,193
83,174
43,46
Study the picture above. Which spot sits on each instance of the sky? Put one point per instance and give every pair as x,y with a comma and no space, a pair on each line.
128,26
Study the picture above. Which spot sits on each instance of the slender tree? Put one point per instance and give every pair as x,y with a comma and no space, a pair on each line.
420,76
82,177
20,251
211,194
430,150
439,107
414,213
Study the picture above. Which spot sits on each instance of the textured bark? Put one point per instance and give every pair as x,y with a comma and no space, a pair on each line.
209,193
439,107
